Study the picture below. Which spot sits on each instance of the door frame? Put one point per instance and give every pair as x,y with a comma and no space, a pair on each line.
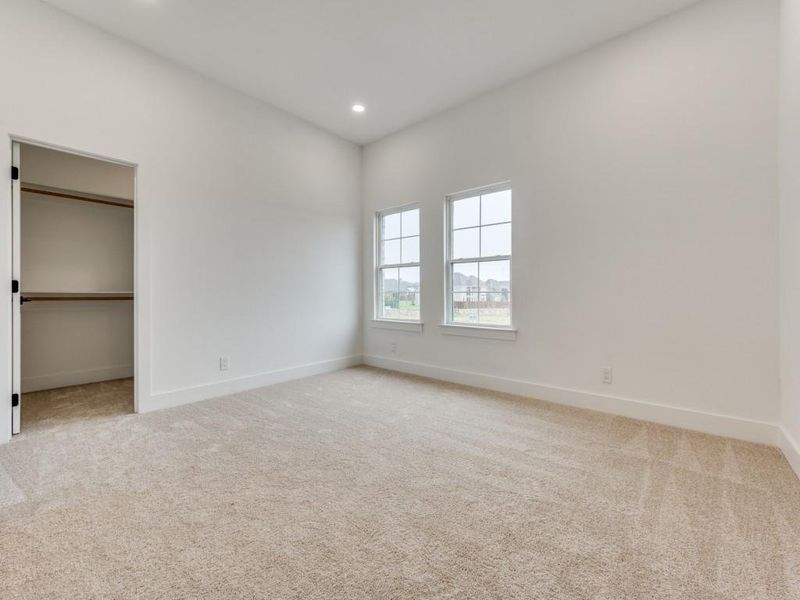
138,230
16,291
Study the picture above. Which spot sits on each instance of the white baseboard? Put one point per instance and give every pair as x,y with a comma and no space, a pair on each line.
791,450
67,378
723,425
187,395
734,427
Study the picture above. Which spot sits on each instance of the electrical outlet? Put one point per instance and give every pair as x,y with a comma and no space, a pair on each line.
608,375
223,363
394,347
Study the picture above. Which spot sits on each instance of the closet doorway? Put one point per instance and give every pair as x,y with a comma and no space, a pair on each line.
72,288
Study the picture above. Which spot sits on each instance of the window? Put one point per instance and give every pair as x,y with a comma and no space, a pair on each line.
479,257
397,274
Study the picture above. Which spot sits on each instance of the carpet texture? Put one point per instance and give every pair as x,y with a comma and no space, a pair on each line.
370,484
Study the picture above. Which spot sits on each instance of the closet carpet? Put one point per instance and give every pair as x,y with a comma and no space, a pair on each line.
369,484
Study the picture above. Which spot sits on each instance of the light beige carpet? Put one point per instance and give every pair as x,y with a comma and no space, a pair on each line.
369,484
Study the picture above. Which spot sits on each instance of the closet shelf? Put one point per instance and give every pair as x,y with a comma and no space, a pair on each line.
71,195
75,296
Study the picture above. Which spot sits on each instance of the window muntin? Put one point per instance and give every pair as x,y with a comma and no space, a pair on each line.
397,275
479,258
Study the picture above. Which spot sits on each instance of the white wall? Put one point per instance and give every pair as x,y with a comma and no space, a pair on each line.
645,215
645,224
247,224
69,246
790,228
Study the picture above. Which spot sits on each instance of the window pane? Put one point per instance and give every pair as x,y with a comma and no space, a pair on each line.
465,243
391,226
494,309
391,252
409,294
465,277
466,212
480,230
390,298
411,222
495,276
495,300
496,240
410,250
496,207
465,307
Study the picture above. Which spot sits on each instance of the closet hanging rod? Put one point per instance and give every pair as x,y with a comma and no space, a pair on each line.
77,298
71,196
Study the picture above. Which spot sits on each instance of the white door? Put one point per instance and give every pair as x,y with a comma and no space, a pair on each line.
16,292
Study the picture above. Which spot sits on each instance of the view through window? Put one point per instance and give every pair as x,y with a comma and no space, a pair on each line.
479,258
398,271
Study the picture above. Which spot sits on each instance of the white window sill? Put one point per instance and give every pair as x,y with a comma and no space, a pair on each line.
488,333
412,326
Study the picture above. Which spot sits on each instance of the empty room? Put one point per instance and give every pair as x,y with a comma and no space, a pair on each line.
371,299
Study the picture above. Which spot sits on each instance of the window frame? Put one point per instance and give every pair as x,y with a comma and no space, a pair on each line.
449,261
377,317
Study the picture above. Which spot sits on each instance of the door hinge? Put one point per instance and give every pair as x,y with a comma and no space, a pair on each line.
14,400
14,173
14,286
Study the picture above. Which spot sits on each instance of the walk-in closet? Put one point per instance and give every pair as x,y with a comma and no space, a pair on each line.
74,310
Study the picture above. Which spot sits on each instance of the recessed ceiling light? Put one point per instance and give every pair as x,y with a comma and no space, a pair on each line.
359,108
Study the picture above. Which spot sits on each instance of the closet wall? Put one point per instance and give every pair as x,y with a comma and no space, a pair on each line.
74,246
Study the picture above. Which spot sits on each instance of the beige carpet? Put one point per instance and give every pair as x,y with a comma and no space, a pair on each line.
369,484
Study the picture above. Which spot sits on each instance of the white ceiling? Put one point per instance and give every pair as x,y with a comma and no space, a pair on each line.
404,59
